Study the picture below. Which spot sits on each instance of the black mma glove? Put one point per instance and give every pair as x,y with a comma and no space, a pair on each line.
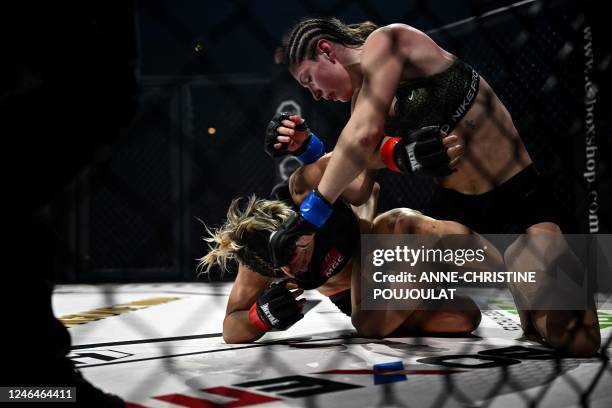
275,309
272,135
315,210
421,151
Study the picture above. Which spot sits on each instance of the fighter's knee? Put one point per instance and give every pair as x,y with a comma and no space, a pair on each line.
471,320
369,328
390,221
372,332
467,320
544,228
455,322
464,319
411,222
511,252
544,234
464,324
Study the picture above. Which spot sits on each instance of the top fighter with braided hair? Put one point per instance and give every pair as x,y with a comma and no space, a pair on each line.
399,81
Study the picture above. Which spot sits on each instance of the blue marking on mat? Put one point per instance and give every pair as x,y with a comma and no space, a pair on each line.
388,367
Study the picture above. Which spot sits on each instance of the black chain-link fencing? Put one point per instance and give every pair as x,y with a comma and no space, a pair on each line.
196,140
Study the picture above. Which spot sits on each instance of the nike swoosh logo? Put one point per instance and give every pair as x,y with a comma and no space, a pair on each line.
411,96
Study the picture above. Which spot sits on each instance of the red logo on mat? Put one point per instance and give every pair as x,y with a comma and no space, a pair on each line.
241,399
331,262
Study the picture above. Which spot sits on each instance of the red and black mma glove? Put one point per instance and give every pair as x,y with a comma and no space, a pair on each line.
420,151
310,151
275,309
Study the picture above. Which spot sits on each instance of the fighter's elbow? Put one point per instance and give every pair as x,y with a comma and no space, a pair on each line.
228,338
358,141
369,137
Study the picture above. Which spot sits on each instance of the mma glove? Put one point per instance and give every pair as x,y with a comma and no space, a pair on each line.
315,210
420,151
275,309
310,150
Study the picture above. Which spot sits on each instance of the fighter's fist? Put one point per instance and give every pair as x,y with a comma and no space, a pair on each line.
286,134
277,308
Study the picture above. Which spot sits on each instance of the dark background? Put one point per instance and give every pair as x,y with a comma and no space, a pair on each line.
106,109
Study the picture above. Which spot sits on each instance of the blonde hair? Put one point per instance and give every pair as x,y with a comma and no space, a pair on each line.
244,235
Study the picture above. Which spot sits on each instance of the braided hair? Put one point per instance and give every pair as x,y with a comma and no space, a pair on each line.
245,234
302,39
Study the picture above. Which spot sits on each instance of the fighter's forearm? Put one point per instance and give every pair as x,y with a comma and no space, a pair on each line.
352,154
360,189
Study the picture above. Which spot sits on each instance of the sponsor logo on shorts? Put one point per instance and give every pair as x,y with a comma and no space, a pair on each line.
331,262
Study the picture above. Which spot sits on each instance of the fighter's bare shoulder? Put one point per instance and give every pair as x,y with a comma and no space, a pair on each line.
400,40
394,35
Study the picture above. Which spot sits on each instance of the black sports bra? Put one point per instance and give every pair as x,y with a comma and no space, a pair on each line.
441,99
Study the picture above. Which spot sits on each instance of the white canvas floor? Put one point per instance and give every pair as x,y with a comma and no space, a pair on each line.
160,345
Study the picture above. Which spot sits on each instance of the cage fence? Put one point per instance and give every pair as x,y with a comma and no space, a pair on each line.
196,143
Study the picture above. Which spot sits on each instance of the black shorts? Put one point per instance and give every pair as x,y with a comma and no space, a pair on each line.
509,208
343,301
